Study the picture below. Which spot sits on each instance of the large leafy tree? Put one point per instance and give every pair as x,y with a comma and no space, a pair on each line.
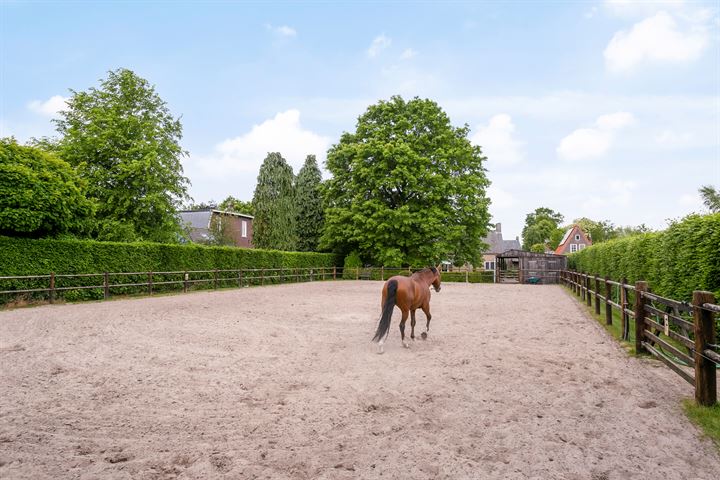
40,195
274,205
407,188
125,144
542,227
310,215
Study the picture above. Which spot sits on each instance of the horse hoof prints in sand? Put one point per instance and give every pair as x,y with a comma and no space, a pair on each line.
408,293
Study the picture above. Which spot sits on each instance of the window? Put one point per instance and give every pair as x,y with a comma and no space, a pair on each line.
581,246
489,265
573,247
244,228
577,236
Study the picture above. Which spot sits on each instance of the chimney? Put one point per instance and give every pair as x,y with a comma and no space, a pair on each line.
498,229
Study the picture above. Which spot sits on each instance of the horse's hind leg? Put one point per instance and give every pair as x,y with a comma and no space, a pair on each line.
412,324
402,328
426,311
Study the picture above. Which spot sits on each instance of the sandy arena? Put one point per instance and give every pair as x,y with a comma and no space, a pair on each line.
283,382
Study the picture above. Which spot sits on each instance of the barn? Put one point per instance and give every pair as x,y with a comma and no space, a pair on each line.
518,266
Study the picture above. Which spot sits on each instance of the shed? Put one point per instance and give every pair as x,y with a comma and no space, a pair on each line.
518,266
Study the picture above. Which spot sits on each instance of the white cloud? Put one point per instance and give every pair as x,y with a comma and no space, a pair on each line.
591,13
619,194
691,201
656,39
283,30
497,142
232,167
49,107
408,53
283,134
500,198
379,43
585,143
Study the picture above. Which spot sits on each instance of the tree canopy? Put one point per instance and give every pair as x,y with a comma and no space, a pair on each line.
40,195
274,205
124,142
310,214
232,204
711,198
542,227
407,188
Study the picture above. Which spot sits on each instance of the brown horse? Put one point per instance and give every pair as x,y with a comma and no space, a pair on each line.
408,293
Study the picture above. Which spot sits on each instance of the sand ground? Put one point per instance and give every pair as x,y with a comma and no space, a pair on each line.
282,382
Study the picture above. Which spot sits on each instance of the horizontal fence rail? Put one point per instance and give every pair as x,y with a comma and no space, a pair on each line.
680,334
98,286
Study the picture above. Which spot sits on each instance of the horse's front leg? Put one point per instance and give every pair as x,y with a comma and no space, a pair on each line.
402,328
412,324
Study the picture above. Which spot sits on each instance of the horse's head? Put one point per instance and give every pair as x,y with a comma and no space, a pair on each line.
436,279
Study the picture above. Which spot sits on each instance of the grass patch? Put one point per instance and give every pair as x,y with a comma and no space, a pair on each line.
707,418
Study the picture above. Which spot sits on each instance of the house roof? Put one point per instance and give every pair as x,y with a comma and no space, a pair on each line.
496,244
201,218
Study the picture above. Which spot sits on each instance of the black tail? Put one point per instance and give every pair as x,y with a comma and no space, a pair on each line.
387,311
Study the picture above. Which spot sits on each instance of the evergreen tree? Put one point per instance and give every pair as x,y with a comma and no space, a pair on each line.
274,204
309,205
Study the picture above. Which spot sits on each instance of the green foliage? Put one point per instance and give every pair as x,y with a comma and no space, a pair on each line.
683,258
274,225
232,204
40,195
711,198
407,188
351,263
538,248
542,226
40,257
124,143
310,216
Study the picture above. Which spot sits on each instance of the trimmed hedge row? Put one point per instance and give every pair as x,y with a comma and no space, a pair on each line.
19,257
675,262
375,273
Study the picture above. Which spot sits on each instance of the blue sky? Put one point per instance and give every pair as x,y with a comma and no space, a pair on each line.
604,109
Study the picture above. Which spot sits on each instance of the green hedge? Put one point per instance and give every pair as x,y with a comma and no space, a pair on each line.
675,262
20,257
375,273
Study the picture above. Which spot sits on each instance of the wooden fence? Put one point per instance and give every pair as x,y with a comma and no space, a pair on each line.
680,334
151,282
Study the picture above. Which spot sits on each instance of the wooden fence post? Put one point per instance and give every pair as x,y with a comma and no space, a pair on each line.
106,285
584,290
52,287
608,307
334,273
382,273
149,283
466,275
625,319
639,315
240,278
262,276
705,372
215,279
597,294
357,273
185,282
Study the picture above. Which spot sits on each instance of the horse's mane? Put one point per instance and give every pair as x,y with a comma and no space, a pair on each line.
427,269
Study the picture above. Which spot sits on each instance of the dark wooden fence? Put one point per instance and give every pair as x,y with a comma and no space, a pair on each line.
680,334
49,287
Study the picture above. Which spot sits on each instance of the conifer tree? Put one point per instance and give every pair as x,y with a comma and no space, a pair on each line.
274,226
309,205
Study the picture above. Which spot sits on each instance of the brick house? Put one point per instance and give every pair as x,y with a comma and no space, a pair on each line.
497,246
202,225
573,241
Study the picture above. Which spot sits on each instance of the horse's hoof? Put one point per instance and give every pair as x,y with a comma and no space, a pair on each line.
423,335
406,345
381,350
